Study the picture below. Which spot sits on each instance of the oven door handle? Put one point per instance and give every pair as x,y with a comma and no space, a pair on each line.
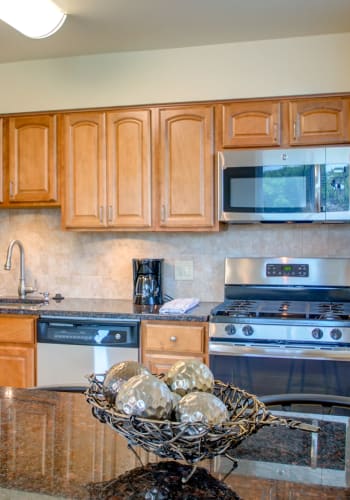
229,349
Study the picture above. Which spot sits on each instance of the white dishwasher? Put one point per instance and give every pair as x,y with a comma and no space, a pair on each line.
70,348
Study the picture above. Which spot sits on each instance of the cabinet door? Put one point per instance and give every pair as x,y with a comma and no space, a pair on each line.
319,121
129,169
17,365
186,167
32,159
251,124
17,351
84,203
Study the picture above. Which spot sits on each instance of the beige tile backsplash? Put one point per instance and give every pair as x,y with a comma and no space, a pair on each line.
98,265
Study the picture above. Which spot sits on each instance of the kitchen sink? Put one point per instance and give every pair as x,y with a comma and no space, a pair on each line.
32,303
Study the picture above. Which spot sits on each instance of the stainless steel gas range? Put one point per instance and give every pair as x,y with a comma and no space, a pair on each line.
284,326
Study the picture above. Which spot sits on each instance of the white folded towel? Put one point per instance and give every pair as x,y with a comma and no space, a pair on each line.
179,306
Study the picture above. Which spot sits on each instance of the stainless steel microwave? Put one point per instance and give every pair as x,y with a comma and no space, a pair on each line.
284,185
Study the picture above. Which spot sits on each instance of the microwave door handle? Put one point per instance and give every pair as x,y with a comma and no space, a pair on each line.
317,181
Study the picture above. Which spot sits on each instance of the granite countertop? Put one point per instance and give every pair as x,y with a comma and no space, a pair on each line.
52,446
108,308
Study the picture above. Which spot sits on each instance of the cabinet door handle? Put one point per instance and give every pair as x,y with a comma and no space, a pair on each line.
296,128
11,189
173,338
101,214
162,215
275,132
110,213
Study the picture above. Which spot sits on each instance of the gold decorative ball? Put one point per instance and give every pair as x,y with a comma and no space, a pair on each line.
201,407
119,373
188,376
145,396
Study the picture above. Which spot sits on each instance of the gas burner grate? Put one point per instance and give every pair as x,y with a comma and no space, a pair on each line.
284,309
237,309
331,311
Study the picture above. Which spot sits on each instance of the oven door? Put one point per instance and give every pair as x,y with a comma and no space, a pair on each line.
266,369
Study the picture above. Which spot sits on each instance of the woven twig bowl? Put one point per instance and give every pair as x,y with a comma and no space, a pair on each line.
189,442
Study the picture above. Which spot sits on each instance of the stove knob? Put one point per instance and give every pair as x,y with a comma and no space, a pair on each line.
336,334
247,330
317,333
230,329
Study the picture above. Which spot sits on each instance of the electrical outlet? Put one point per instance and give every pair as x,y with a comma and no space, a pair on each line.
183,270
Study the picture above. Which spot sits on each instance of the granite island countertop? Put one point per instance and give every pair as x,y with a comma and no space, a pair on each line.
109,308
52,445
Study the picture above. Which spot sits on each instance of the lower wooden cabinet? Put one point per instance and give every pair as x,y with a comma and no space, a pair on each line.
17,351
165,342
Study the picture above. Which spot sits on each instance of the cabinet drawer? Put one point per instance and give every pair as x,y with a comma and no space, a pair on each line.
17,330
161,363
173,338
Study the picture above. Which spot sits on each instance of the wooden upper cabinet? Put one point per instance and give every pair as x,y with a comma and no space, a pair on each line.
186,167
107,162
32,160
251,124
85,170
319,121
129,168
285,122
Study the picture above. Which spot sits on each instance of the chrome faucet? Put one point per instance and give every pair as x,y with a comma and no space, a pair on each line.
22,288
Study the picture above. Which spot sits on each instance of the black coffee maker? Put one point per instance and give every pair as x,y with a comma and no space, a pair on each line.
147,275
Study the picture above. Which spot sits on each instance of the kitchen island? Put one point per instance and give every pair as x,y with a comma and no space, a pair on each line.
52,445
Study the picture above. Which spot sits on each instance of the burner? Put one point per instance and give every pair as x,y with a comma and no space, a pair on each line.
331,311
239,309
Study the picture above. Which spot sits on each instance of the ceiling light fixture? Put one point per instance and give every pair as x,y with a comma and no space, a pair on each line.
33,18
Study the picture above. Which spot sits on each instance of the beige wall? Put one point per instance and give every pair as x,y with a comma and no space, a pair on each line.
99,264
303,65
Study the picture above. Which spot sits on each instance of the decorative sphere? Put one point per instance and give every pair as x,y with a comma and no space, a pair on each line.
202,407
119,373
188,376
145,396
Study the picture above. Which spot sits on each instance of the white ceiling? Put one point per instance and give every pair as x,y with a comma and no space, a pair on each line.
98,26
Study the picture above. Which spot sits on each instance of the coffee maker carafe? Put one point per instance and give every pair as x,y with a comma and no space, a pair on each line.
147,275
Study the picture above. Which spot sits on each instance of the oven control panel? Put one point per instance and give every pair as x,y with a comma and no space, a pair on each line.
297,270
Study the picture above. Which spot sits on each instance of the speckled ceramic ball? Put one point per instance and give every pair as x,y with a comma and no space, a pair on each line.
188,376
119,373
201,407
145,396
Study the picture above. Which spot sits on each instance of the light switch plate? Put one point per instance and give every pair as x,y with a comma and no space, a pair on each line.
183,270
